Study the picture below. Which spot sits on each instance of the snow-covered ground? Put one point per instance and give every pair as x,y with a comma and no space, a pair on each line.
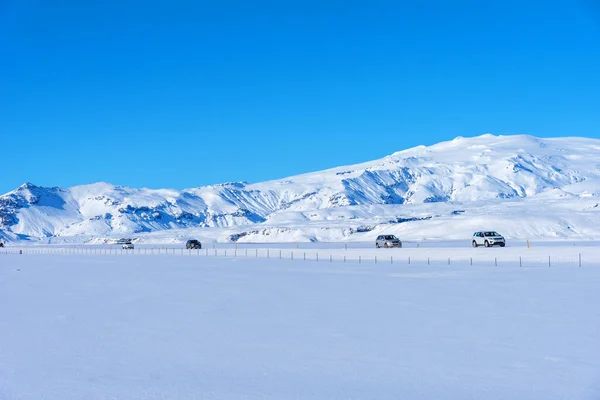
90,326
433,252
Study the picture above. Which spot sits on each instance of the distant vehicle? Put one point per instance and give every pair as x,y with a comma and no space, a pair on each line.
387,241
193,244
127,246
123,241
1,244
488,239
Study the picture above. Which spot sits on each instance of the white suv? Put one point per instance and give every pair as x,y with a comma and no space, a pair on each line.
488,239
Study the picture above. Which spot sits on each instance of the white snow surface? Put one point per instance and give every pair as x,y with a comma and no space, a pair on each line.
522,186
142,327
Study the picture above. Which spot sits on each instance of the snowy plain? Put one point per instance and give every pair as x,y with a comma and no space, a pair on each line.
173,326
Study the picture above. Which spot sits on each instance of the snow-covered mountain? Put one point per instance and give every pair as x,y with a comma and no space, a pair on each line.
525,185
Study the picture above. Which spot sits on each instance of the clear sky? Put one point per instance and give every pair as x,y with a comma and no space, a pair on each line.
189,93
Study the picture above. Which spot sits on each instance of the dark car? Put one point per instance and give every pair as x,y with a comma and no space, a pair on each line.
193,244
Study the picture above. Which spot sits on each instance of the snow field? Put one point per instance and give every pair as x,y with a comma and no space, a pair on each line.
516,254
90,326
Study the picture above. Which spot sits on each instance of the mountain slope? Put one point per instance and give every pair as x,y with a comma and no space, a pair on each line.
466,173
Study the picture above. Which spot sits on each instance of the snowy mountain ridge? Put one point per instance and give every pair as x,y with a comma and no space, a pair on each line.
495,172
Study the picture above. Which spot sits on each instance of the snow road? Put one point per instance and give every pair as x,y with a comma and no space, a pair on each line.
85,326
517,253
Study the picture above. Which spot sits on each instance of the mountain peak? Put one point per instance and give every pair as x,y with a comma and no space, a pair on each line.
28,185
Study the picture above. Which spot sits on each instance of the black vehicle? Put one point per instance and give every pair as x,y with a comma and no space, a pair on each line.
193,244
1,244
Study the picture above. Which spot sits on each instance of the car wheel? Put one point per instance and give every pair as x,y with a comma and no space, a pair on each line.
386,245
502,244
377,245
487,244
474,243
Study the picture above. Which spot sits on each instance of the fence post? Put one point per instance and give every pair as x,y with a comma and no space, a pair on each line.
344,258
359,260
427,260
408,260
471,261
548,261
257,252
375,259
317,256
520,262
496,261
448,260
330,258
292,255
304,259
579,260
268,255
279,254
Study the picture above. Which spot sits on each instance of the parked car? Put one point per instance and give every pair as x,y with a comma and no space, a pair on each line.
488,239
1,244
123,241
127,246
387,241
193,244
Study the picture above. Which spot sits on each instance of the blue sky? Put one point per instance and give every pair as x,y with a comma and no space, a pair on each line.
183,94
